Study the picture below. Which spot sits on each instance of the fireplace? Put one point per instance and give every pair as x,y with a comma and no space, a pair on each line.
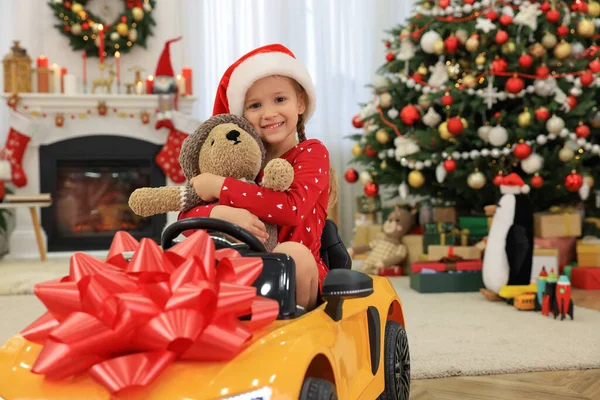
90,179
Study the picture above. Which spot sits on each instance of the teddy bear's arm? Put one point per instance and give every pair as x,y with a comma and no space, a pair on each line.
146,201
278,175
397,257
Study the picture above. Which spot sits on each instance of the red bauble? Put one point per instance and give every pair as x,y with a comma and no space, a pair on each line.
537,181
370,152
501,37
124,19
67,5
371,189
522,151
542,114
417,77
553,16
492,15
587,78
351,175
450,165
515,84
525,61
573,182
85,26
444,3
410,115
447,100
451,44
562,30
506,19
595,65
357,122
542,72
545,7
388,44
499,65
67,28
582,131
390,57
469,1
572,100
498,180
455,126
579,6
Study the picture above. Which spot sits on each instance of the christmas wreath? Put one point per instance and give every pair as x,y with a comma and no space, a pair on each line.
133,26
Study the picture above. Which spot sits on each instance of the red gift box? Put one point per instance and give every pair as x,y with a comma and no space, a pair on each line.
447,265
587,278
565,246
390,271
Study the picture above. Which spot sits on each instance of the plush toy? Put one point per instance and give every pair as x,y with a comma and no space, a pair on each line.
224,145
389,249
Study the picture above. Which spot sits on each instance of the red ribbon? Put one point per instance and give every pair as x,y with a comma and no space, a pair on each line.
125,322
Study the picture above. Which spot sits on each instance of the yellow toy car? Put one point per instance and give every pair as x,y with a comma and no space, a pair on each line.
352,346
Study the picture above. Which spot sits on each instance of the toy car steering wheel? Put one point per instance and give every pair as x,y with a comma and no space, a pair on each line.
235,231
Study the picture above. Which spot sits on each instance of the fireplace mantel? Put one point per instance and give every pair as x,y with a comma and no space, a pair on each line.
35,116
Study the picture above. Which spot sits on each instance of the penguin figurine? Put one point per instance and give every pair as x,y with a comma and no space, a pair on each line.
509,250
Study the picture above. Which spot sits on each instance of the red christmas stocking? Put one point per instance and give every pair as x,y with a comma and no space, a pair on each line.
168,157
16,144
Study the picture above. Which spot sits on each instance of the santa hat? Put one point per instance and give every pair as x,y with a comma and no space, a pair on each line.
273,59
164,67
513,183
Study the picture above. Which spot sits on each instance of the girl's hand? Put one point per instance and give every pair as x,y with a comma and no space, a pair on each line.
243,218
207,186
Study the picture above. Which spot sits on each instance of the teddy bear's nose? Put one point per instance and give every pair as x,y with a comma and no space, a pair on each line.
233,135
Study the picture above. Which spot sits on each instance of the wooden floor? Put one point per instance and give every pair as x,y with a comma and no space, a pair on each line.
552,385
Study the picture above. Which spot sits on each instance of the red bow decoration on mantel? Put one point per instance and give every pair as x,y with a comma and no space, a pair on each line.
125,322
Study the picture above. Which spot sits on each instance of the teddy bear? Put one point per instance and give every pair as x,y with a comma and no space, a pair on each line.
225,145
387,250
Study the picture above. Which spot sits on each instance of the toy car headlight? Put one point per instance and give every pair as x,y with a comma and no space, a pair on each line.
259,394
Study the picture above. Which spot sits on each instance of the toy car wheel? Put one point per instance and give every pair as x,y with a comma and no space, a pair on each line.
317,389
396,363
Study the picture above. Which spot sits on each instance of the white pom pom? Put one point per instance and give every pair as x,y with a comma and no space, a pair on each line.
525,189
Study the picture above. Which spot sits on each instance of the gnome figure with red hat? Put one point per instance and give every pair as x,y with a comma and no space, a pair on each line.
509,250
165,86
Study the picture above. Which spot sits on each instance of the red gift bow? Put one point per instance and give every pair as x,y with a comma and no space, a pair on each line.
125,322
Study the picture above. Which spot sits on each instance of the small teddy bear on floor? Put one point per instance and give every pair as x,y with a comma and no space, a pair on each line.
224,145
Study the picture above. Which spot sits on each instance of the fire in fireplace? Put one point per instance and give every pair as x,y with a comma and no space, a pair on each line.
90,179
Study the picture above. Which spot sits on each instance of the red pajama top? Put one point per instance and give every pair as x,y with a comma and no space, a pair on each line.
300,212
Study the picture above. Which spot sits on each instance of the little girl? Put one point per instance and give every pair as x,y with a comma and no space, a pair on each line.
274,92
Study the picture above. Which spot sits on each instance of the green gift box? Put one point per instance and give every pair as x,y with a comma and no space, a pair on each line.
440,227
442,282
477,226
441,233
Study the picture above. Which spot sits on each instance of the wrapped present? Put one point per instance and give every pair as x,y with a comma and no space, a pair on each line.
366,233
544,258
591,227
366,204
438,252
447,264
477,226
566,223
440,282
443,233
414,245
390,271
588,252
587,278
565,246
444,214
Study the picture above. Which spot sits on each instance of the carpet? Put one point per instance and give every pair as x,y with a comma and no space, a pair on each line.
450,334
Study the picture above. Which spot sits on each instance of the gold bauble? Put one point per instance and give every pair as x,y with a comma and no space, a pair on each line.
438,47
385,100
593,9
356,150
382,136
422,70
383,164
562,50
416,179
461,35
476,180
122,29
427,6
585,28
537,50
137,13
425,101
76,8
470,81
549,40
509,47
565,154
472,44
524,119
464,123
480,60
589,180
443,131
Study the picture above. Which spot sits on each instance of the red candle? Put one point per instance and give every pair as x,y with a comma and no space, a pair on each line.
101,47
42,75
149,84
118,66
187,74
63,72
84,67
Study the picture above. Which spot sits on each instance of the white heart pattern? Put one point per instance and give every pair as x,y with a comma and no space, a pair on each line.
225,188
294,208
308,228
270,216
309,150
258,193
243,194
316,180
280,206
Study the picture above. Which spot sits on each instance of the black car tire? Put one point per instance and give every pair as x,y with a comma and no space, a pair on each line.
317,389
396,361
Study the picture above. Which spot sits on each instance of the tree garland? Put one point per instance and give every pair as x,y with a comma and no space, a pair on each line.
133,26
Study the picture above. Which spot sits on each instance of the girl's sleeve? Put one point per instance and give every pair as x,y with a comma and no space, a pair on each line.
289,208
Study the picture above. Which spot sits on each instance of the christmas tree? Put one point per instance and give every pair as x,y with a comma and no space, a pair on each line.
474,90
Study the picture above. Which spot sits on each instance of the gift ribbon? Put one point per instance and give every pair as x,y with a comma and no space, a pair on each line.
125,322
464,235
451,261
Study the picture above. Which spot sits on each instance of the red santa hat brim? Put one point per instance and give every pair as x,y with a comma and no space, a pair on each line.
265,61
513,184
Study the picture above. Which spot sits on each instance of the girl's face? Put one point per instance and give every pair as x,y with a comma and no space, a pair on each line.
272,107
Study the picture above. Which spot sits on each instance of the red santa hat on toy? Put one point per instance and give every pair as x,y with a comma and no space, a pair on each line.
513,183
273,59
162,86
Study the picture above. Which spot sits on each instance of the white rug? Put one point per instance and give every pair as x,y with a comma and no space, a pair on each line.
450,334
